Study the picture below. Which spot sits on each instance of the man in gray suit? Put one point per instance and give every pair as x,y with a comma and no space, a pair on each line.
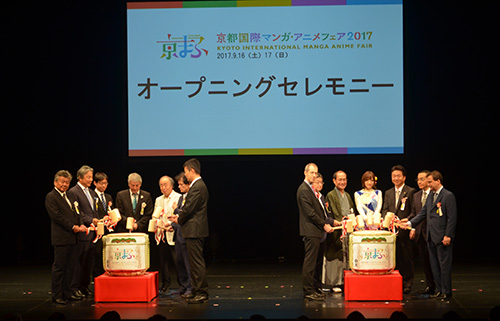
440,211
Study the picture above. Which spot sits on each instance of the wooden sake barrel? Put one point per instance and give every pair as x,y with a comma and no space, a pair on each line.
126,254
372,252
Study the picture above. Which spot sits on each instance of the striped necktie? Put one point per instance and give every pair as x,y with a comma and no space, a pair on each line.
424,197
66,199
103,200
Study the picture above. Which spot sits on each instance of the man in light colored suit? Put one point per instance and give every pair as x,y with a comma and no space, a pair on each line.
167,201
440,211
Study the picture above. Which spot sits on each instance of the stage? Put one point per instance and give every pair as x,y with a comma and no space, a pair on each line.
240,289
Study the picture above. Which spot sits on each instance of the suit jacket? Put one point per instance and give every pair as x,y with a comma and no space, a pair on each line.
87,213
439,223
62,219
416,207
405,197
312,217
101,210
124,205
179,239
193,217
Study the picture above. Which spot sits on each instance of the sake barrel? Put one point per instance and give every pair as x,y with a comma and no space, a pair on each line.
372,252
126,254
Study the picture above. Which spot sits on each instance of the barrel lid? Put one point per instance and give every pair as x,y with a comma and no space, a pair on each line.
371,233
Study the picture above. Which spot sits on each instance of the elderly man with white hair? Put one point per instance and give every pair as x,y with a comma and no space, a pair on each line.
136,203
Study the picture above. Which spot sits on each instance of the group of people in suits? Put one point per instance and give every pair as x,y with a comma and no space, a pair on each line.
428,219
74,211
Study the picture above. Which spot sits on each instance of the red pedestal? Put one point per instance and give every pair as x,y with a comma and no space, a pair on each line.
387,287
142,288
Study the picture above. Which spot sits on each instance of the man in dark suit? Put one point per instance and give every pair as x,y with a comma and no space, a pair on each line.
398,200
193,220
136,203
64,226
312,225
419,232
182,256
105,201
440,211
84,254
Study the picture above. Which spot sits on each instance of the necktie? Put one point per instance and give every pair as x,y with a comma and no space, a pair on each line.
424,198
103,200
435,197
87,193
66,199
134,201
398,192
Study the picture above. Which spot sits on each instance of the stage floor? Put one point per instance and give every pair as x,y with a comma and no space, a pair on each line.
239,289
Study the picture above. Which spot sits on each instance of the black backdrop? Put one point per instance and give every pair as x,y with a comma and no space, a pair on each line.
67,92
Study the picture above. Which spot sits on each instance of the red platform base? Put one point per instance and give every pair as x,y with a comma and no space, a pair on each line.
387,287
142,288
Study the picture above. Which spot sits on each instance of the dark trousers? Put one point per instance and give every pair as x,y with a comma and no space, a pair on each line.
98,268
83,261
62,272
313,264
183,270
197,265
404,257
166,252
440,258
423,253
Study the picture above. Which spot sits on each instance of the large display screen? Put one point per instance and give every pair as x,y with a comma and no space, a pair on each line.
265,77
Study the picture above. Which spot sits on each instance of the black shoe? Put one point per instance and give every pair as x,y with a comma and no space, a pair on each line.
187,295
59,301
427,290
76,297
164,289
86,292
436,295
314,297
198,298
445,297
79,293
406,290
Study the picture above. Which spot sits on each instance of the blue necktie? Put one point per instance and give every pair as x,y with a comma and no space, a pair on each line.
103,200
